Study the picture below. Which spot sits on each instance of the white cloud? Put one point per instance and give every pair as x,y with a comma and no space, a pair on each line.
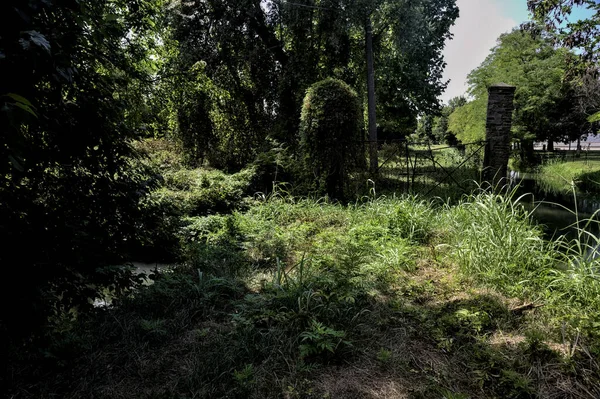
475,33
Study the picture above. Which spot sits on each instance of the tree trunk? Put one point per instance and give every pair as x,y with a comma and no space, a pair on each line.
527,154
550,145
373,160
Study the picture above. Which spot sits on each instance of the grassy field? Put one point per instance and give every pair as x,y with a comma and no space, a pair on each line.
559,176
387,297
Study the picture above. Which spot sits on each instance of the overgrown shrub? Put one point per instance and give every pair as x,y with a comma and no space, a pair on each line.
331,136
275,169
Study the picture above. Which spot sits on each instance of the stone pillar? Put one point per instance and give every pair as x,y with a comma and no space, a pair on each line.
497,133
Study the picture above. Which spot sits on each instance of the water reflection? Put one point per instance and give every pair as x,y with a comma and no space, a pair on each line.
145,270
559,213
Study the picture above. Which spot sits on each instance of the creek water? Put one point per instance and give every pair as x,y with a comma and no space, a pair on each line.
140,268
557,213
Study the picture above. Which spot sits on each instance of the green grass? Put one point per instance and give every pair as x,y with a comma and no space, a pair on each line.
558,176
436,171
281,296
303,298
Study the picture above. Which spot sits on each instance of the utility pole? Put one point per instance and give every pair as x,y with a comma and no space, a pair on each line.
373,160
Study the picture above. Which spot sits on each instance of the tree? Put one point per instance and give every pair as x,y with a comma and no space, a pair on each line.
582,34
68,186
467,122
265,54
409,39
424,129
538,70
331,135
440,131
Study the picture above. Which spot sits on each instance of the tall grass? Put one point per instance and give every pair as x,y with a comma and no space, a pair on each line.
496,241
559,176
293,285
576,282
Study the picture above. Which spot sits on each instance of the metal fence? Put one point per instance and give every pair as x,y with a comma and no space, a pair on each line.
423,168
560,155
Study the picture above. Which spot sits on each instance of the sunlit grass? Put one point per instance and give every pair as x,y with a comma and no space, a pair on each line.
557,176
275,297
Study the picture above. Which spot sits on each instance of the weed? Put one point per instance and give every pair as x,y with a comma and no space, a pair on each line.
384,355
273,300
321,340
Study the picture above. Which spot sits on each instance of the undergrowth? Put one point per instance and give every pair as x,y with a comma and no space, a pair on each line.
277,296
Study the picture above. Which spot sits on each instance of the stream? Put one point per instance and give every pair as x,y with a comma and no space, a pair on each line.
556,211
140,268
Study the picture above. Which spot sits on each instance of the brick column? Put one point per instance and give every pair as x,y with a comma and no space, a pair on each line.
497,133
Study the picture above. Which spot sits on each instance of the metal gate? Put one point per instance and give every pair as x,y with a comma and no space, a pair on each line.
426,169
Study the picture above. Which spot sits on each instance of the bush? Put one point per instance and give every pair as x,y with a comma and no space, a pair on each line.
331,137
273,169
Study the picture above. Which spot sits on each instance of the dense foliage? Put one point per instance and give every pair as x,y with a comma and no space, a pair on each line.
435,128
339,300
583,34
120,124
261,57
550,104
69,185
332,138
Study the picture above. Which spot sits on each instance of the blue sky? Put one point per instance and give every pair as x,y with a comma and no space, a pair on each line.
475,33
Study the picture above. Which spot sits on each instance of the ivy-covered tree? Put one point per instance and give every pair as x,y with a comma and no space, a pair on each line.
332,139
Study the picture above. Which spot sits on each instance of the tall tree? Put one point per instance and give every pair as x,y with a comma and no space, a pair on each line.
583,34
538,70
267,53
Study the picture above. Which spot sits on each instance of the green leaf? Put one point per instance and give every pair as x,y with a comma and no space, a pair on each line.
594,118
19,99
26,108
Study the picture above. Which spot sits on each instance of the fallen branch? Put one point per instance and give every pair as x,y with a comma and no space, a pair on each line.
527,306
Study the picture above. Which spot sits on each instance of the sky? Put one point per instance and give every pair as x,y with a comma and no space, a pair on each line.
475,33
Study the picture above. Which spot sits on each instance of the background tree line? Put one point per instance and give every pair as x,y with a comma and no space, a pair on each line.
553,64
258,58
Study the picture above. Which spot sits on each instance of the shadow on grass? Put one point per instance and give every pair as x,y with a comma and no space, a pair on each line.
461,348
328,329
191,337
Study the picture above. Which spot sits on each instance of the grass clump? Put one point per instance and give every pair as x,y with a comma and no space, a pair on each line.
495,241
560,176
